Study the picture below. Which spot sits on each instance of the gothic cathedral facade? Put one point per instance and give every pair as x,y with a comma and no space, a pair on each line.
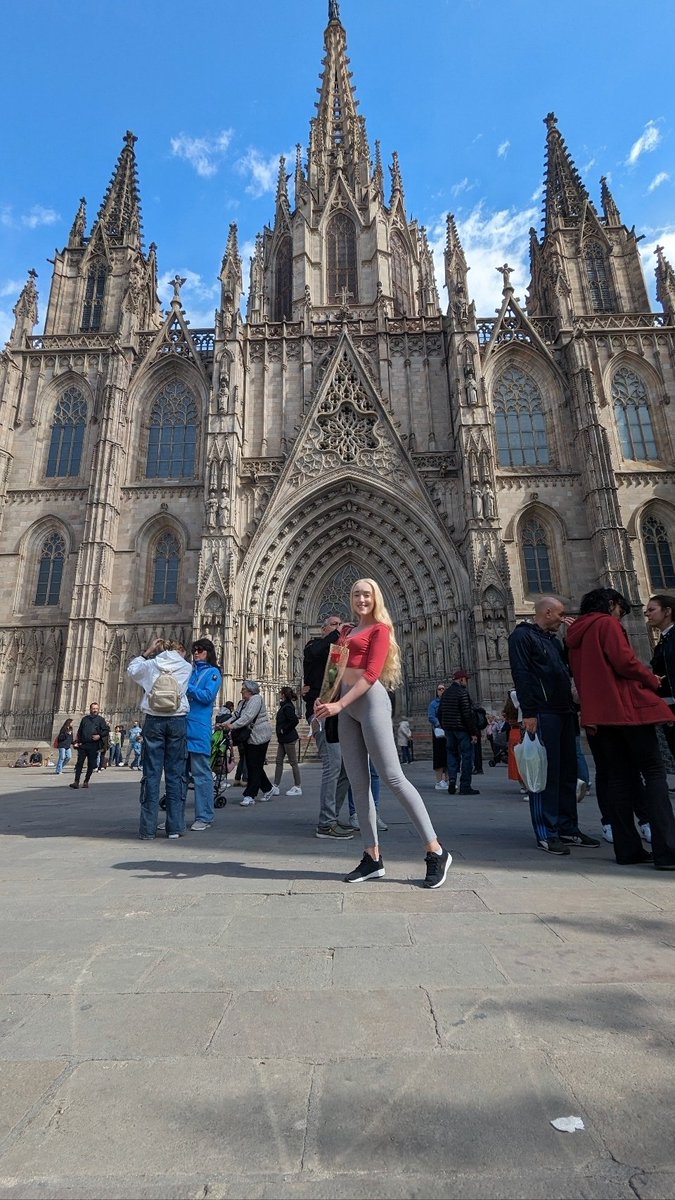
232,482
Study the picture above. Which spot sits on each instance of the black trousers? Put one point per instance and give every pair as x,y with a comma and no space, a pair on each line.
602,791
87,754
255,767
631,748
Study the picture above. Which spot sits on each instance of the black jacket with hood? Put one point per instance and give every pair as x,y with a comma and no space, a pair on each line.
455,712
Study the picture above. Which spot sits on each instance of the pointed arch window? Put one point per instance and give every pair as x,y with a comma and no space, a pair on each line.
50,571
94,292
634,422
67,440
534,540
599,278
400,277
342,276
283,280
520,424
165,570
658,552
172,442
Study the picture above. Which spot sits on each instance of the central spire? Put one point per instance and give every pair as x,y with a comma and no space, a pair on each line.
120,212
338,139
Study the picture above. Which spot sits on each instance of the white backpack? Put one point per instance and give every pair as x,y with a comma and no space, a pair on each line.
164,696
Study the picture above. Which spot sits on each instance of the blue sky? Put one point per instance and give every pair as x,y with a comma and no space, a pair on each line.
216,91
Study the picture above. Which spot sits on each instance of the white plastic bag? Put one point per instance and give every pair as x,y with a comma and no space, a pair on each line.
438,731
532,762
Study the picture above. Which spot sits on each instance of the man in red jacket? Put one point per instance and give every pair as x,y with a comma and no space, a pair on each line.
619,698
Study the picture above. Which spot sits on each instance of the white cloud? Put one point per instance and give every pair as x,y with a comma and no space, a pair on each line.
663,237
198,298
36,216
6,325
537,193
202,153
647,142
587,166
662,177
489,238
263,172
503,149
11,287
462,186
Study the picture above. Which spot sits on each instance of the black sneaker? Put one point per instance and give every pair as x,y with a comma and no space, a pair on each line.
437,868
553,845
578,839
468,792
333,831
452,787
367,869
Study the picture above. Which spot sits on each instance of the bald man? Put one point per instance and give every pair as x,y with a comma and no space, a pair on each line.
543,684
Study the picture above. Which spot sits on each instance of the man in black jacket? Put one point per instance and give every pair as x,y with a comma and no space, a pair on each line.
93,728
543,685
455,714
334,781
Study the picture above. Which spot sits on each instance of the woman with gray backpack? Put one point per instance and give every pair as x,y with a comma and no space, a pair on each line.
164,674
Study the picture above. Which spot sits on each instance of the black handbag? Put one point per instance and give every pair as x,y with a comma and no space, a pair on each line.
241,735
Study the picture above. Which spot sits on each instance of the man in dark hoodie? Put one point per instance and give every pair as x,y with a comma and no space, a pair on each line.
334,781
543,684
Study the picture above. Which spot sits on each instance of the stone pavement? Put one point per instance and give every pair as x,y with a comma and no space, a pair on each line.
221,1016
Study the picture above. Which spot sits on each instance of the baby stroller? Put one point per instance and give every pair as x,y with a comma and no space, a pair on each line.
221,763
500,745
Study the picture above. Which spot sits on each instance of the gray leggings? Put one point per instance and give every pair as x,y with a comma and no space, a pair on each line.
365,731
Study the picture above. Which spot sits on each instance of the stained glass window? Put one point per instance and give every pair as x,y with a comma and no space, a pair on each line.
400,276
94,292
173,434
335,599
165,570
283,281
50,571
342,277
520,424
633,418
599,278
536,556
68,426
659,553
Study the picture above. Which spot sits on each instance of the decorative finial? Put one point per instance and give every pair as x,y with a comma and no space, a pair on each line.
506,272
550,121
130,139
333,11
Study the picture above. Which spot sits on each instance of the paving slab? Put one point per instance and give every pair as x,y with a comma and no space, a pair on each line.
224,1016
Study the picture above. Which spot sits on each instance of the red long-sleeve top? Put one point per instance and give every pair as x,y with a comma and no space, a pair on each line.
368,650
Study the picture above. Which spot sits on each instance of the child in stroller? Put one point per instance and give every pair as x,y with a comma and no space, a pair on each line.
222,759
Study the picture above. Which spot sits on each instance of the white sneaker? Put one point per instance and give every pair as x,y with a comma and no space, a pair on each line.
246,802
607,833
441,787
646,832
199,825
268,796
294,791
582,788
275,791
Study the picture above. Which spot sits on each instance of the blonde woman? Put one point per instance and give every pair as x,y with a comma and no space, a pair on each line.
365,730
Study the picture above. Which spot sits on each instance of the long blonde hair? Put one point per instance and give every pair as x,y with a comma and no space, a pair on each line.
391,671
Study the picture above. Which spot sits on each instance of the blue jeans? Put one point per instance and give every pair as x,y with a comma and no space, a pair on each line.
164,749
334,782
199,766
554,811
65,756
582,766
460,757
115,755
